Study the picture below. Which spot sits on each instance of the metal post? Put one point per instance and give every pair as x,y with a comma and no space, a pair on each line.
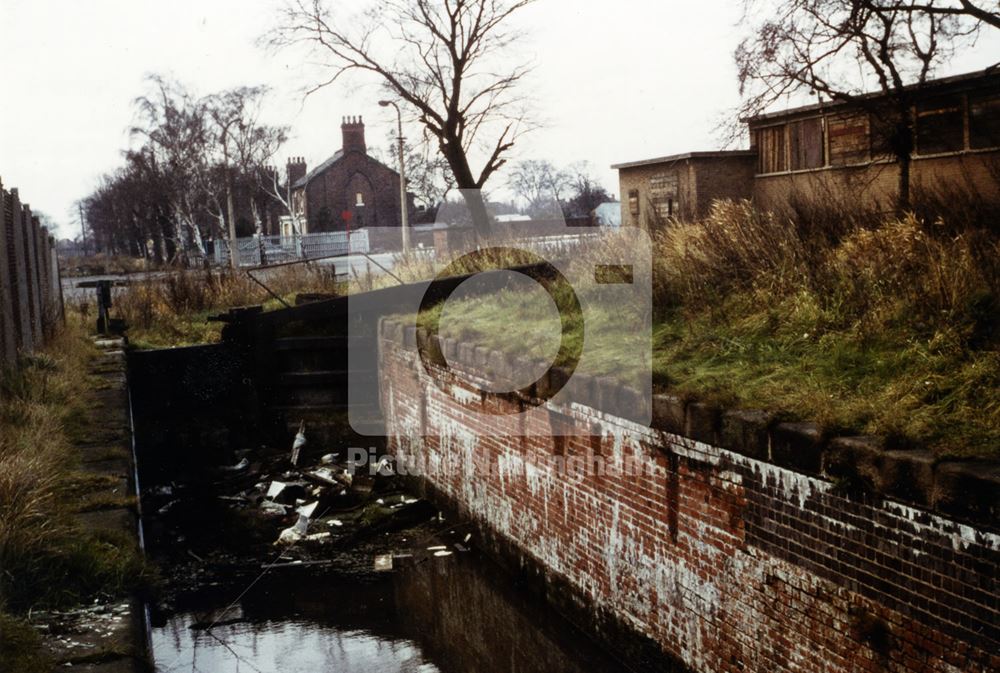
404,214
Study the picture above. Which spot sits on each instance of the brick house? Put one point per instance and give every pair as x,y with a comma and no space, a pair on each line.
350,186
682,186
829,152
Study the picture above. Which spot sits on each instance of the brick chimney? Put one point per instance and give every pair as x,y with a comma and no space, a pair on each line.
353,129
295,169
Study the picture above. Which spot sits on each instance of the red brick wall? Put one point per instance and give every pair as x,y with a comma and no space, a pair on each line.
727,562
337,188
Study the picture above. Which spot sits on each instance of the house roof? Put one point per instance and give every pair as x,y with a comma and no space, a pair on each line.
955,81
320,168
719,154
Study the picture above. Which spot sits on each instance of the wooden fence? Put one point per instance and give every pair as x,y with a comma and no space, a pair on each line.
31,305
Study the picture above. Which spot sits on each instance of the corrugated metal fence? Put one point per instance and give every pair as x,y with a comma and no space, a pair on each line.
31,304
264,250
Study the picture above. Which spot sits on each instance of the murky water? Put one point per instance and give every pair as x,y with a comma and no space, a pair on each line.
450,614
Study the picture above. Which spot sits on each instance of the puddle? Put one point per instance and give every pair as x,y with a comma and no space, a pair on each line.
450,614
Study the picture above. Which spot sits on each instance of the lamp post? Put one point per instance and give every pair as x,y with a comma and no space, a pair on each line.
404,215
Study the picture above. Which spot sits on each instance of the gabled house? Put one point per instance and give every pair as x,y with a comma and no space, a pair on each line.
351,189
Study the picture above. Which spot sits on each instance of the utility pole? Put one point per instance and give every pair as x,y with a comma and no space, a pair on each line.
404,214
83,228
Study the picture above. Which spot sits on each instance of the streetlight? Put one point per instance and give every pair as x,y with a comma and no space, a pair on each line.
404,216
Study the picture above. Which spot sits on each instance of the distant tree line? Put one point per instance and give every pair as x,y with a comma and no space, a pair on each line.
546,191
202,169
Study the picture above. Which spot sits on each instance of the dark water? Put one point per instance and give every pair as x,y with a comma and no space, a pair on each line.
448,614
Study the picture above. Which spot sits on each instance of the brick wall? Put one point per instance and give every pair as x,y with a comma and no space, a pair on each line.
336,190
700,180
740,545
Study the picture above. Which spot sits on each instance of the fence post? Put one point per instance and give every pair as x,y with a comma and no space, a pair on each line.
8,335
31,257
19,271
55,282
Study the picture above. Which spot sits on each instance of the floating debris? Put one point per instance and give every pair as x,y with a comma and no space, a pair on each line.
300,441
238,467
328,459
437,547
383,562
443,553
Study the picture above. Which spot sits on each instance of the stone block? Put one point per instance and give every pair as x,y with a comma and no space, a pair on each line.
798,446
745,431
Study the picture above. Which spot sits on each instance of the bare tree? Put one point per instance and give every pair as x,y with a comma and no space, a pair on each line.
976,11
443,59
428,176
248,145
840,49
173,122
539,184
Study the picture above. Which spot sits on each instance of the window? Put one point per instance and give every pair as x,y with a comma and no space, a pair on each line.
663,194
984,120
633,202
939,125
806,143
771,150
848,137
359,199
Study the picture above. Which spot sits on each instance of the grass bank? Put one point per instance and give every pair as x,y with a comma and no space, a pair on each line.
864,323
46,559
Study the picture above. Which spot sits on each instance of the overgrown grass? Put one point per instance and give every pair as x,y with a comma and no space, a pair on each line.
865,323
46,559
174,309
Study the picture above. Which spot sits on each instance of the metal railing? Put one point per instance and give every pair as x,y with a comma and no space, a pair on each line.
267,250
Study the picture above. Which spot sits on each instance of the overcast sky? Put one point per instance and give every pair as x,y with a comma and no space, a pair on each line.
615,81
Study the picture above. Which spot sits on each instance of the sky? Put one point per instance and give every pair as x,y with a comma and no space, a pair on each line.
613,82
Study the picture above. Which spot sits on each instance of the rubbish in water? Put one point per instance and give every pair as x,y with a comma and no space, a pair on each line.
461,547
242,465
468,536
317,537
268,507
300,441
437,547
383,562
295,533
335,522
328,477
166,508
286,492
328,459
442,553
307,510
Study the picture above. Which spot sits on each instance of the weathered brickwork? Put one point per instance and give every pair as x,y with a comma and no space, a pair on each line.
725,559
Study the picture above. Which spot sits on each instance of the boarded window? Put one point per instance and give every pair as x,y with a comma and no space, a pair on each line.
663,194
771,155
805,138
984,120
633,202
848,136
939,125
